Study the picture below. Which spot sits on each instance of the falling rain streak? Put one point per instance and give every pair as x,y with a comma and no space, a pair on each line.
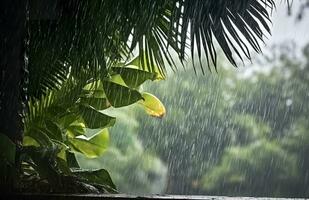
236,132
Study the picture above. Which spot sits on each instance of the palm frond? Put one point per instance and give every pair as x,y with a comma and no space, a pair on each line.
92,36
197,24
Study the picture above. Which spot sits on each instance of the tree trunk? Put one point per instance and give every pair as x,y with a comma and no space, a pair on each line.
12,63
13,15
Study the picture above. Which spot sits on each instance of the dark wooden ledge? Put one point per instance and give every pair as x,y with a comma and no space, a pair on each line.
129,197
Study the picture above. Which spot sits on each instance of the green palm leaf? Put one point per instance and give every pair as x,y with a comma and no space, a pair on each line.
89,37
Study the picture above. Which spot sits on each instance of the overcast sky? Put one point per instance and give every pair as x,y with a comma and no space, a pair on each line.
286,27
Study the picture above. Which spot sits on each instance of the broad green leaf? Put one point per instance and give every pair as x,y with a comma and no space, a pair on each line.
63,148
40,136
119,95
61,157
91,147
100,177
29,141
96,85
94,119
94,94
62,154
76,129
152,105
97,103
134,77
116,78
68,119
94,90
8,149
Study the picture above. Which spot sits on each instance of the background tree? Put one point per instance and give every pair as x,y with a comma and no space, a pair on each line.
85,39
268,156
250,132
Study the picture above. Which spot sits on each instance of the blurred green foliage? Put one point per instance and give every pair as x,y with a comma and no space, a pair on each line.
226,133
234,134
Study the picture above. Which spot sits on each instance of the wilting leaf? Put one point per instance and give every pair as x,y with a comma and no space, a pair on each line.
152,105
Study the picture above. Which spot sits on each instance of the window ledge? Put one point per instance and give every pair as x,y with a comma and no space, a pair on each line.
122,197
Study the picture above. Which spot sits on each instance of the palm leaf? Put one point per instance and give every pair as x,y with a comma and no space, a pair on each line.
235,25
91,36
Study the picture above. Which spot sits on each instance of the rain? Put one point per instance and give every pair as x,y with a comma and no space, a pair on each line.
163,100
237,132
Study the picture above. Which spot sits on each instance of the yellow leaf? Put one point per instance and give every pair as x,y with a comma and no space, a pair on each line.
152,105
